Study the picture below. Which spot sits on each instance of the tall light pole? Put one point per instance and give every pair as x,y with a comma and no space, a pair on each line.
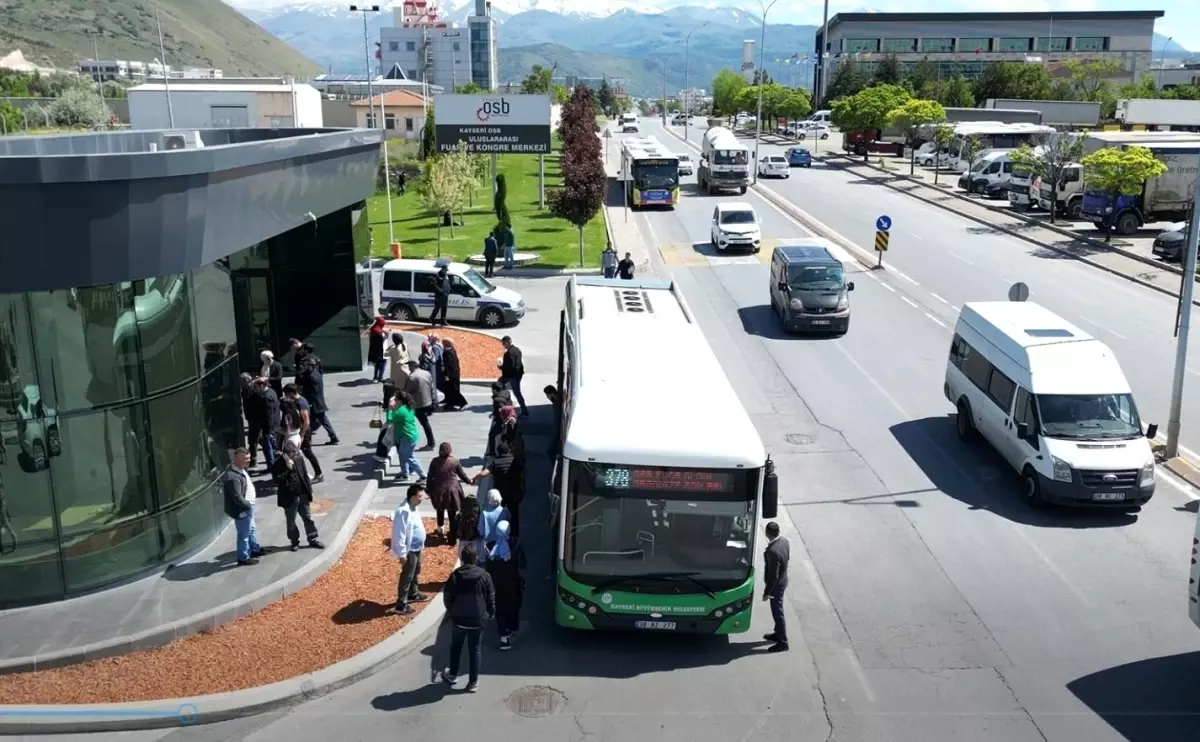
1185,326
162,63
762,42
100,74
687,93
373,119
822,62
1162,61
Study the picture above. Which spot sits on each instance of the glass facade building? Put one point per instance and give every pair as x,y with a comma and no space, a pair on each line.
120,401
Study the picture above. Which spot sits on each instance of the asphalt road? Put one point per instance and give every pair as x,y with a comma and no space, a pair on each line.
928,603
943,260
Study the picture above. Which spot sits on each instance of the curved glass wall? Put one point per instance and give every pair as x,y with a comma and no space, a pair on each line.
119,406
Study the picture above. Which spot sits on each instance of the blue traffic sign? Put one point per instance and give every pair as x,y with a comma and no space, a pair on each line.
883,223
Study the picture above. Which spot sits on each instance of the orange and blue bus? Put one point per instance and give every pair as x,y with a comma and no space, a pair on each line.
650,172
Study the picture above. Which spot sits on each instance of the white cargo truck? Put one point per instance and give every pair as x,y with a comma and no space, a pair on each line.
1168,197
1180,115
724,162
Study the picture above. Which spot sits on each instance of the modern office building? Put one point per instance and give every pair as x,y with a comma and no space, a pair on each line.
136,282
966,43
430,50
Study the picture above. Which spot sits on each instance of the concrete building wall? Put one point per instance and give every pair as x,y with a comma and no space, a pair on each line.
446,64
203,108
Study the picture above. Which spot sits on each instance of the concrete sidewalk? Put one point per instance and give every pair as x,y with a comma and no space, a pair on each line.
208,589
622,230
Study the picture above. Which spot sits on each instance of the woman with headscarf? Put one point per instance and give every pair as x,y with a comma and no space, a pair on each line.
505,429
453,377
510,586
489,518
426,359
397,355
446,478
468,525
439,369
295,494
375,340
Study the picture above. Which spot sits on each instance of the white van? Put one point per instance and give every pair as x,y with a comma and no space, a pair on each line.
1053,401
628,123
735,225
407,294
823,117
989,175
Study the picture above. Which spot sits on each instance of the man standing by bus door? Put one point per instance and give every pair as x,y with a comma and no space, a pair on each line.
775,578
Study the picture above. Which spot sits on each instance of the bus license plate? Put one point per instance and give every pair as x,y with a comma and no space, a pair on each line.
1108,496
659,625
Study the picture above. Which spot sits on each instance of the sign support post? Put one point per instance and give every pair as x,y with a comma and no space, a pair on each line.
883,233
541,181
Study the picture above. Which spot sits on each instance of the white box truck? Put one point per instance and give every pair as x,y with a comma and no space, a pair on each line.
1168,197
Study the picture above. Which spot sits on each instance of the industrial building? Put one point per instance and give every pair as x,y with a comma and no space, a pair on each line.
428,49
229,103
966,43
124,328
102,70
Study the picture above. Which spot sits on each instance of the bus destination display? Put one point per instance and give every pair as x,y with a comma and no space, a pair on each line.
664,480
651,163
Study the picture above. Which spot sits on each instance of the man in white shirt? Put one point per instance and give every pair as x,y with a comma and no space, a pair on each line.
408,543
239,505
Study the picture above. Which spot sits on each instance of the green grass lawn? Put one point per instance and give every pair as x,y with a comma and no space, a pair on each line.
555,241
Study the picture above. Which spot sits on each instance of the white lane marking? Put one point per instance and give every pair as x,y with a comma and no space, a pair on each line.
1041,555
857,668
906,278
909,302
956,255
938,298
954,307
815,580
1094,323
935,319
889,288
1193,371
1165,475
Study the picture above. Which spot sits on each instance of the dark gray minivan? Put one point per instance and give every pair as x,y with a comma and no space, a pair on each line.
809,289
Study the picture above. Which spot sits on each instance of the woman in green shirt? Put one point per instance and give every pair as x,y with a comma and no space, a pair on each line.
403,419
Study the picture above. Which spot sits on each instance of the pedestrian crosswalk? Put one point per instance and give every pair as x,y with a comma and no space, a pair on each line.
704,255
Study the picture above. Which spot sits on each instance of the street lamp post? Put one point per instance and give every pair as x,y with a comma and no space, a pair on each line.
762,42
100,73
1162,61
687,93
162,63
373,119
1185,325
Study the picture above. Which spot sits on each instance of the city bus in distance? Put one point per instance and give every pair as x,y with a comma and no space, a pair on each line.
658,484
650,172
990,136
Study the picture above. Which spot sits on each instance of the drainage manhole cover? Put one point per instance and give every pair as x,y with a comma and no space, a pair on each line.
321,506
536,701
800,439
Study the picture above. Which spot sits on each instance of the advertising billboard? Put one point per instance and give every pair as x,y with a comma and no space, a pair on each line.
493,124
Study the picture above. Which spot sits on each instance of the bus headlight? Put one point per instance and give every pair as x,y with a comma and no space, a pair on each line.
728,610
578,603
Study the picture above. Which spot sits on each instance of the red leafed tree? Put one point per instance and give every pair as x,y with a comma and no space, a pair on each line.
584,180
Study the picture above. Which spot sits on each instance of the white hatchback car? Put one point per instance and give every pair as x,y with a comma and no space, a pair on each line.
774,166
685,165
812,130
735,225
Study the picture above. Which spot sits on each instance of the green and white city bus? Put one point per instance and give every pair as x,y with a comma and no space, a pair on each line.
661,472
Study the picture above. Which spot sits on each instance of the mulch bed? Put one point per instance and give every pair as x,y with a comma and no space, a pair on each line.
477,353
341,614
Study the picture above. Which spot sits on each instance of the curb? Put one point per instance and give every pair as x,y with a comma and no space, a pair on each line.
1184,469
408,328
158,636
210,709
1029,239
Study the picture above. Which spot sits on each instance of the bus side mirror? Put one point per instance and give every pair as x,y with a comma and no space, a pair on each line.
1152,431
850,286
770,491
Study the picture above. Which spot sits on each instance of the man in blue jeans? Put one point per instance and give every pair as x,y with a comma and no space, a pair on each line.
239,505
512,370
470,599
775,578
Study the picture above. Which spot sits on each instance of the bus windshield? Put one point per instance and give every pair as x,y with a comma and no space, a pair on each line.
658,175
655,522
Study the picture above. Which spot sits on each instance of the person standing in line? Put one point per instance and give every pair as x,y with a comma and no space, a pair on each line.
775,578
272,371
555,444
508,476
294,493
311,381
508,242
441,296
468,523
439,368
489,518
267,419
397,355
470,599
509,585
452,371
491,250
239,505
375,341
608,261
512,370
625,268
505,430
403,420
446,478
501,398
420,389
305,412
298,354
408,543
252,404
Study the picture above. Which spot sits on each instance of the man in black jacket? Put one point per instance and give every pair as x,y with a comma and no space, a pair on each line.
310,377
512,370
775,579
441,296
265,420
470,599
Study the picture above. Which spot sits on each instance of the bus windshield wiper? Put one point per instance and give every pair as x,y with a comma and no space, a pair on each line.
663,576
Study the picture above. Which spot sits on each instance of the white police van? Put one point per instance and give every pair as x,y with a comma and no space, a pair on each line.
408,291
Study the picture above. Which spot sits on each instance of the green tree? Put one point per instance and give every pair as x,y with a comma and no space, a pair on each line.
1182,92
848,79
79,108
942,134
747,100
922,77
428,139
500,202
469,88
1090,76
539,80
868,109
795,104
1120,172
887,72
915,116
1144,88
559,94
1019,80
12,121
726,86
15,84
442,189
606,99
957,94
1049,161
584,182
